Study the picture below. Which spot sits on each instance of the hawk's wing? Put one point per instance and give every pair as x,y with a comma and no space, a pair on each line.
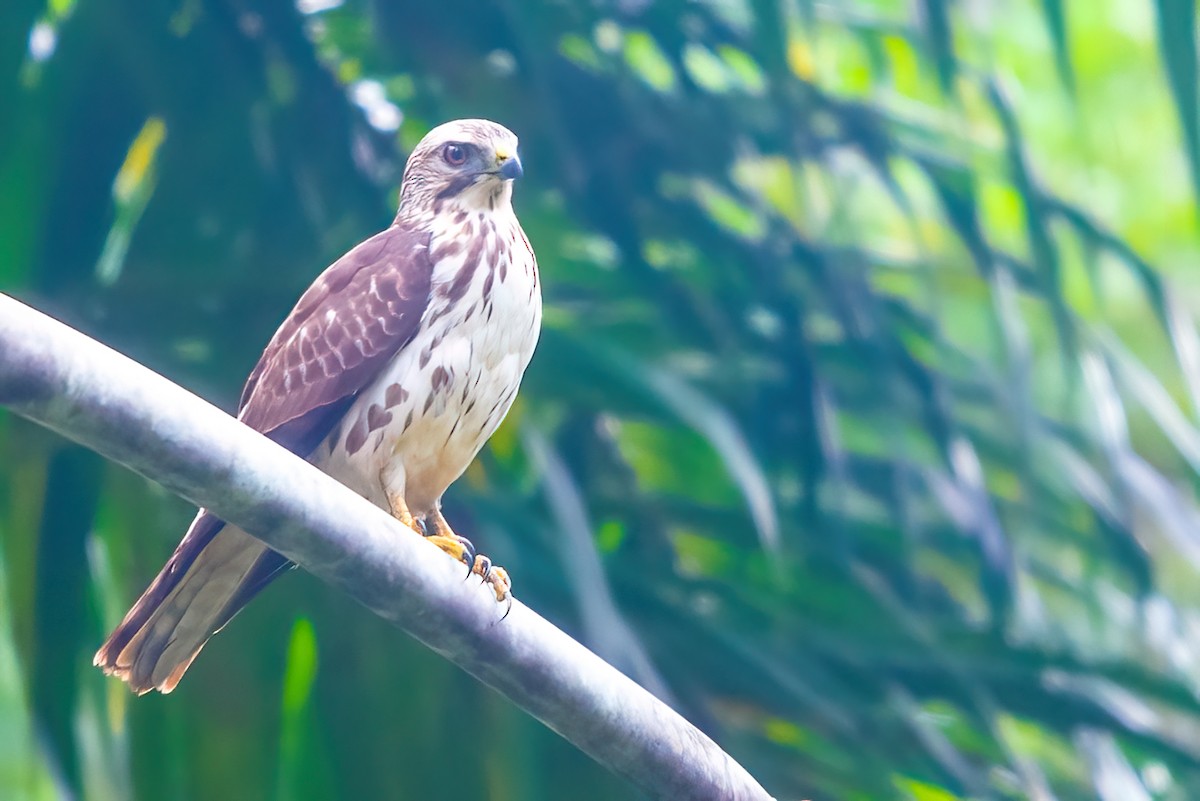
342,333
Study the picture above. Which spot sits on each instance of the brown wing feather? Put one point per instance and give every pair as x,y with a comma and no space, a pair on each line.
344,329
358,314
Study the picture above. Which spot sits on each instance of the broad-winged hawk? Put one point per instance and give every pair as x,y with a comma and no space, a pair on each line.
390,374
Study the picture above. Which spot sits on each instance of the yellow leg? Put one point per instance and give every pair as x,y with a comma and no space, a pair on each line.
444,537
400,512
458,547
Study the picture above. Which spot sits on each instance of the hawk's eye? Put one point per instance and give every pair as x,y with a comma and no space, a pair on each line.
455,155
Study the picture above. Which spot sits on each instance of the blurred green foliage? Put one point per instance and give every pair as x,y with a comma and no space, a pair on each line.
863,428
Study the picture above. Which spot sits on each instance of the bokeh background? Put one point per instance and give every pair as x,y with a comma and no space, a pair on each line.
864,428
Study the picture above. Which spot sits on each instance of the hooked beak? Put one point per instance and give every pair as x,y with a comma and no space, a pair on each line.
508,164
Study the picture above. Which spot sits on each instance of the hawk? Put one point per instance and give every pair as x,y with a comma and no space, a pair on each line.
390,374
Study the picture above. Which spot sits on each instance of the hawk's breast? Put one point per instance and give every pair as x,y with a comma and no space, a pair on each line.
423,420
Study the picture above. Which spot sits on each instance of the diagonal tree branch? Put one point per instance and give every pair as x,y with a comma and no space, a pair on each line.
99,398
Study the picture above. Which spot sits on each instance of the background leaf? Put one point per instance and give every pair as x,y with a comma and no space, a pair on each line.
862,426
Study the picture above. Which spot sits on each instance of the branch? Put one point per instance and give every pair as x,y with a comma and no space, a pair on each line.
93,395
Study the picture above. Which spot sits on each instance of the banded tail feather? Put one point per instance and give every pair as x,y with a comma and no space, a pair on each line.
213,573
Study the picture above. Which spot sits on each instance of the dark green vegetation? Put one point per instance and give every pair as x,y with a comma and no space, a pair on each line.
868,376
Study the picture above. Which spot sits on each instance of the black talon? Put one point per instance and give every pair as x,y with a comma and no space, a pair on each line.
468,554
487,569
508,608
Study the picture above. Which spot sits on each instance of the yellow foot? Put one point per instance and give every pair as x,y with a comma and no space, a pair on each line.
461,549
495,576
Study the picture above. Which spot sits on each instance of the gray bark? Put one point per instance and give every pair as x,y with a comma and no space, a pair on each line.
87,392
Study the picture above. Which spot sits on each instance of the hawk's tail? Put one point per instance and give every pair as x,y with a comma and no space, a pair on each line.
211,575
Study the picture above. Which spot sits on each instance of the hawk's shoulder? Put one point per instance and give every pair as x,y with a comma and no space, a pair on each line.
342,333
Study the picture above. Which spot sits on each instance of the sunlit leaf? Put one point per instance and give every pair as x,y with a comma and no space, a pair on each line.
300,760
648,61
132,189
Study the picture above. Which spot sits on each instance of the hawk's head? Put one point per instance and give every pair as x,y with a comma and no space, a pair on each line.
464,164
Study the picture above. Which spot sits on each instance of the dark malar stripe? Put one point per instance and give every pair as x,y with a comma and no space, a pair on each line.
455,187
